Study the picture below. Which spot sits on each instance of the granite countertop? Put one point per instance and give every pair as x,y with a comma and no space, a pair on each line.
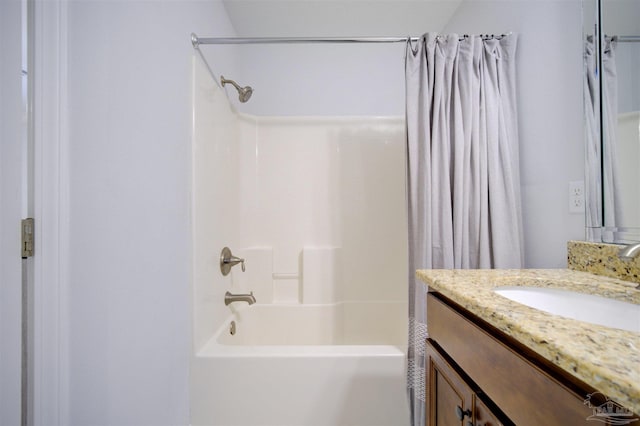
606,358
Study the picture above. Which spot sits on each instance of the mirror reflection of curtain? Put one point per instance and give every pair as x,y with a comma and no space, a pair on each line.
463,170
603,199
611,191
592,123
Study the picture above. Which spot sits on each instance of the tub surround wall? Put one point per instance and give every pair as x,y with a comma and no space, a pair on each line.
215,210
327,195
294,329
258,275
315,279
321,275
602,259
315,205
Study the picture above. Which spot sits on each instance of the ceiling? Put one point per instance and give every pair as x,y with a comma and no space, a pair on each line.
349,18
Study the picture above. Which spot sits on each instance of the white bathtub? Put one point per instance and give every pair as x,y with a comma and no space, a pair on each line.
303,365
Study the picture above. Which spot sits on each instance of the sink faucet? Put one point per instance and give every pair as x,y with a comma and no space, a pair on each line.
230,298
629,252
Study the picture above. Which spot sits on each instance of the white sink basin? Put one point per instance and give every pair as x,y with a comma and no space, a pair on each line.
582,307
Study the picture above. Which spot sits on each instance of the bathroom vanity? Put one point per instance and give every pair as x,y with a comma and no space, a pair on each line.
493,361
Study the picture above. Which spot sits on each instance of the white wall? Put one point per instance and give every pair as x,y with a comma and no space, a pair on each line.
550,114
627,65
369,80
323,79
11,143
129,167
283,18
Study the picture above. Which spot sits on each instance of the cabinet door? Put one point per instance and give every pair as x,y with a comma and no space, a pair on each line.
484,416
450,400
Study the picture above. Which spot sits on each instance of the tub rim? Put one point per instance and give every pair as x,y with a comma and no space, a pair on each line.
213,349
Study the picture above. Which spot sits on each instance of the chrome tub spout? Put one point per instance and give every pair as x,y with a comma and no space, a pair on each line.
230,298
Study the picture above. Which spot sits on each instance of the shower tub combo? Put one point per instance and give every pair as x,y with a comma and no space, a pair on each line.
315,205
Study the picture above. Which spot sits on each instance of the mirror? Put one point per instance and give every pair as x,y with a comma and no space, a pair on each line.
612,119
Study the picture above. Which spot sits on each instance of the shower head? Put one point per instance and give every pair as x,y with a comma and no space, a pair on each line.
244,93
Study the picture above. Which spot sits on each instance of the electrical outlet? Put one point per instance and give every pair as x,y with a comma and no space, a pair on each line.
576,196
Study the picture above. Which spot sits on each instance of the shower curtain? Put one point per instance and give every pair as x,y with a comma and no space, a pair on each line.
603,197
611,193
463,172
601,121
591,96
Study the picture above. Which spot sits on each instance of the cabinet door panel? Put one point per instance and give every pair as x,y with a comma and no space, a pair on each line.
448,393
483,415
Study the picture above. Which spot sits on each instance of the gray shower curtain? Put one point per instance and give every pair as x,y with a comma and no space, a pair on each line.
611,194
603,207
463,171
591,95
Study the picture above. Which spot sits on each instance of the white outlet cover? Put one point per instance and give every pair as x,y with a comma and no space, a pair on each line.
576,197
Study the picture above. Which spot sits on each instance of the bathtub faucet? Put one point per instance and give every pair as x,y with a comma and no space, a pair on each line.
228,260
230,298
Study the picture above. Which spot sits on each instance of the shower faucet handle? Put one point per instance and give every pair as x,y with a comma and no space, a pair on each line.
228,260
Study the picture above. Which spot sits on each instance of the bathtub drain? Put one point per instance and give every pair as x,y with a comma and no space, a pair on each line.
232,328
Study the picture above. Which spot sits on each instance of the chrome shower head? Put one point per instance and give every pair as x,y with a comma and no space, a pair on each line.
244,93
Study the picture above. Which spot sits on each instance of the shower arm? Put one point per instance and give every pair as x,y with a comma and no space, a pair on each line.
244,93
225,81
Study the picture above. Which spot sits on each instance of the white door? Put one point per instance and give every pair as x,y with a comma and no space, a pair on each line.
13,190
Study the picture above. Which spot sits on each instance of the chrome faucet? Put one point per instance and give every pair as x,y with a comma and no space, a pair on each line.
630,251
230,298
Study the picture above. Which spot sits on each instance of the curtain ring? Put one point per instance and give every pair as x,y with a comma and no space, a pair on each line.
410,44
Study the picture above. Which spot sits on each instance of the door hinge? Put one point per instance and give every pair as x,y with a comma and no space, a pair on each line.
27,238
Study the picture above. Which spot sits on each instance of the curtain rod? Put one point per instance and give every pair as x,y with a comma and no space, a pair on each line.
627,39
196,41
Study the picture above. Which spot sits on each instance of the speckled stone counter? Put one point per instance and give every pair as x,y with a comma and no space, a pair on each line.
607,359
602,259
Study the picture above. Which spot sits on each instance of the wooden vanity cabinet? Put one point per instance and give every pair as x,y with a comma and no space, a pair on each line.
452,399
469,361
484,416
